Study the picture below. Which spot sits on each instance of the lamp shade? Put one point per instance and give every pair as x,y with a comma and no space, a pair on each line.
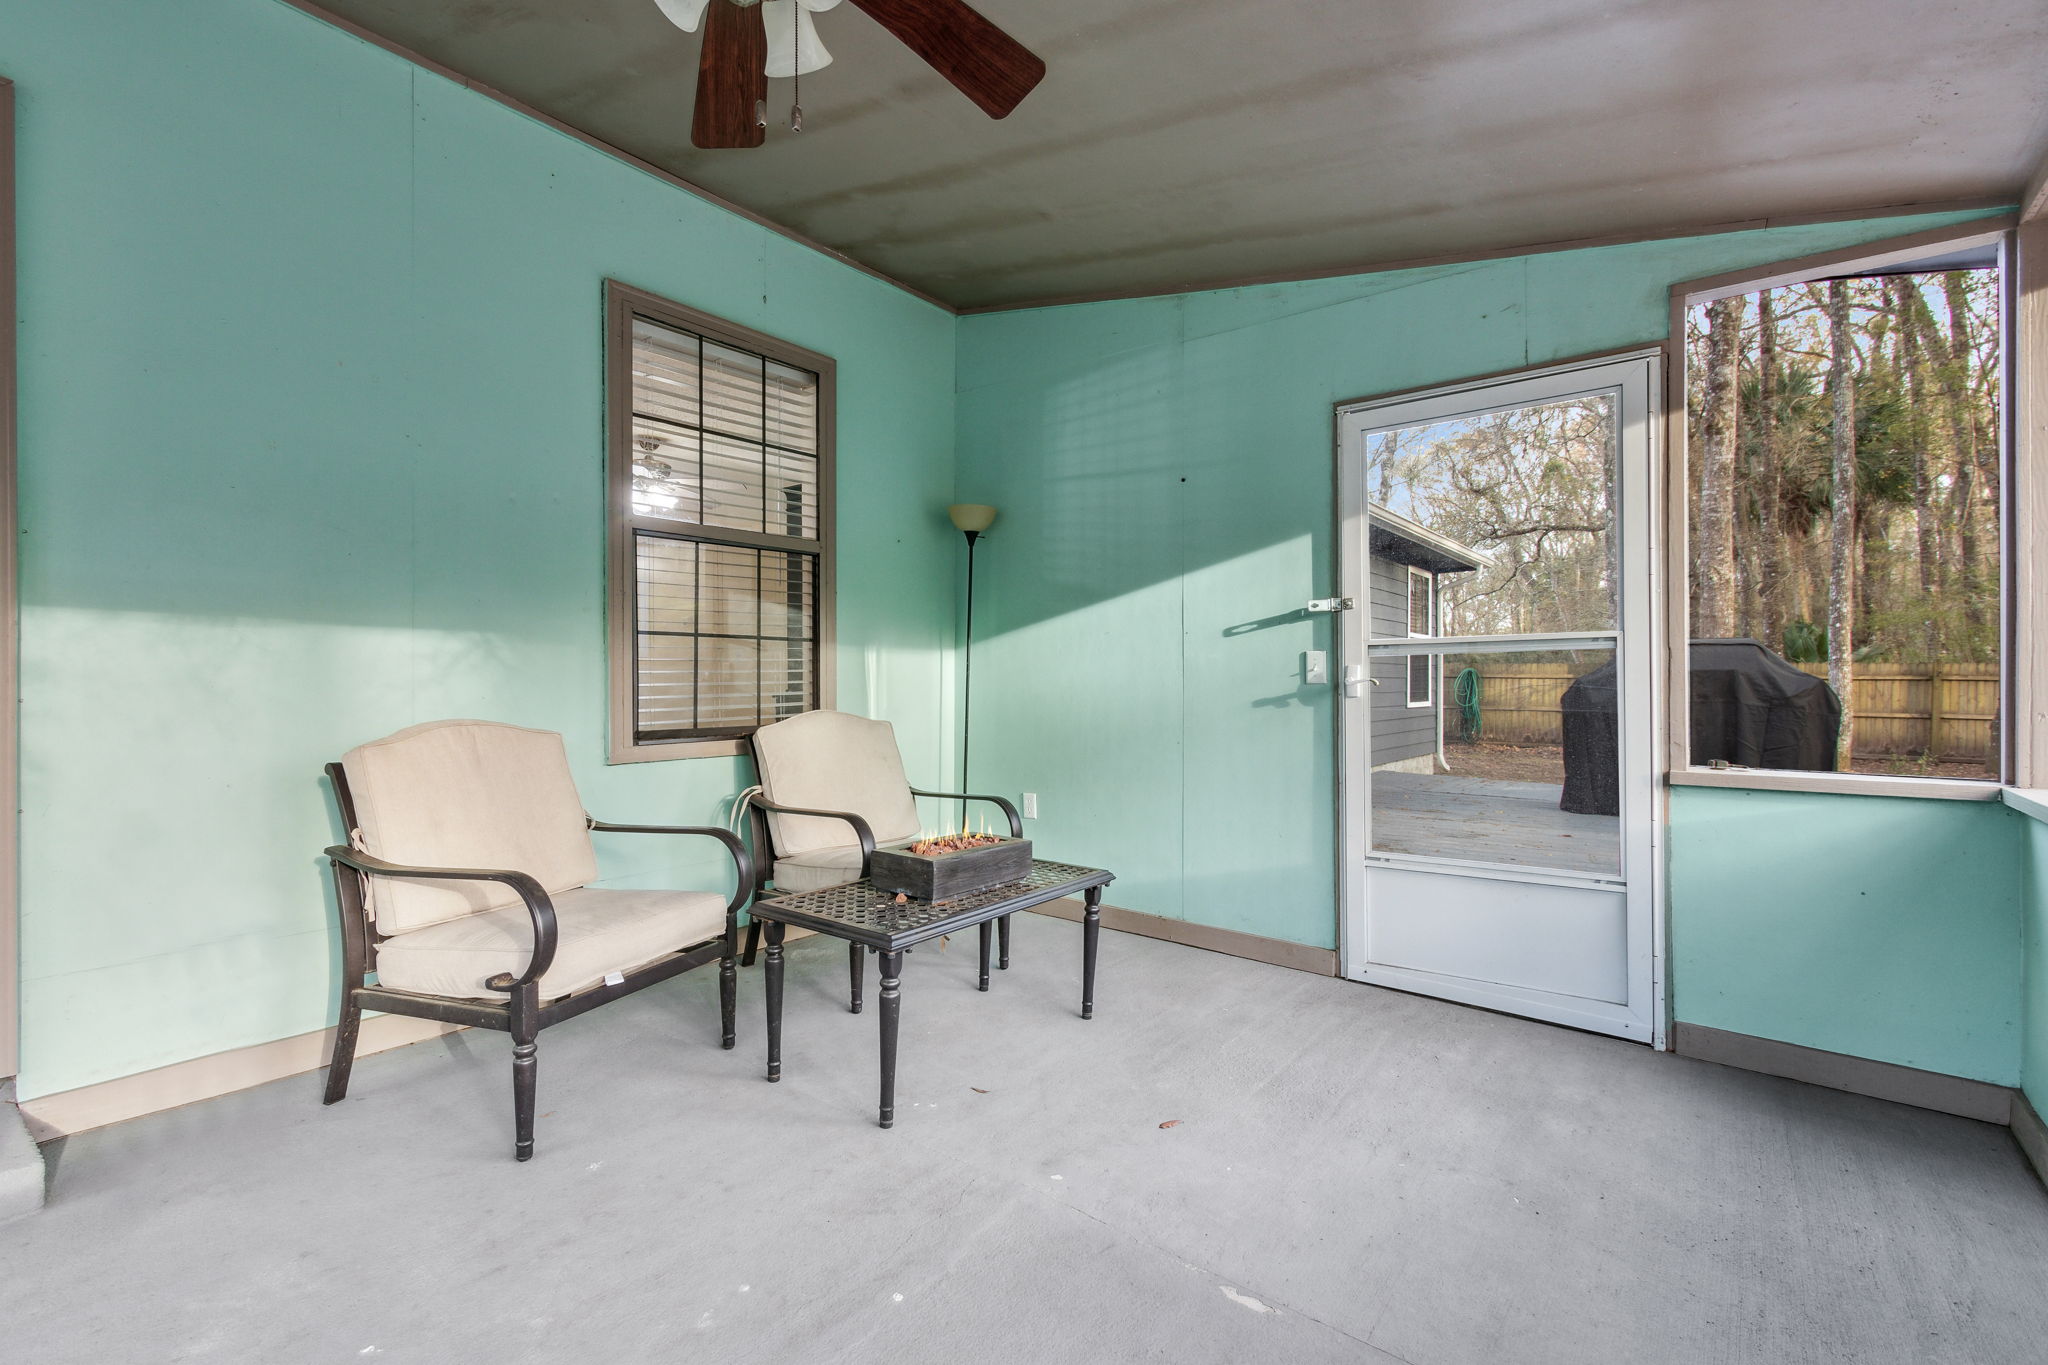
971,517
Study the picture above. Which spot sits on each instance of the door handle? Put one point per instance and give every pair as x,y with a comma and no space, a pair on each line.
1354,680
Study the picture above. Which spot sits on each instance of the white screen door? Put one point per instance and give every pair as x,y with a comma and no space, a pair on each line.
1500,814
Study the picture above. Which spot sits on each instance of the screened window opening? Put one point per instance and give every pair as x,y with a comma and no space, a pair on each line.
1846,478
1421,623
724,505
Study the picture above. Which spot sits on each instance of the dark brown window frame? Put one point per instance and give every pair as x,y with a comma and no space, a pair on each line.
623,303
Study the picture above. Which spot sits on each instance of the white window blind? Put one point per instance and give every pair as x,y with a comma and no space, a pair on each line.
724,514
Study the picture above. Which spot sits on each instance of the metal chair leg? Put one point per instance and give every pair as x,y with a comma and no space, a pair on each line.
856,971
753,943
728,997
525,1043
343,1058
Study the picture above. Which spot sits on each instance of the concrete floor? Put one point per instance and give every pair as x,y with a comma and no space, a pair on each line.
1357,1175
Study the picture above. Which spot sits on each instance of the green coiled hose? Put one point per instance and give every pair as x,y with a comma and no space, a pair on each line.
1465,692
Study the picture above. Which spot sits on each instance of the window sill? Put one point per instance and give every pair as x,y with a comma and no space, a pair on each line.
1840,784
2029,801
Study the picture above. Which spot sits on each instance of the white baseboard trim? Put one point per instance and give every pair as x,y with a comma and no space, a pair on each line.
222,1073
1935,1090
1279,952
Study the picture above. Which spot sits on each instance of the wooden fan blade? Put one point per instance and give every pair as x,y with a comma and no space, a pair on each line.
988,65
732,77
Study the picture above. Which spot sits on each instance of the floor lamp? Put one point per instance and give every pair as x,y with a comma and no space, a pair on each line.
970,519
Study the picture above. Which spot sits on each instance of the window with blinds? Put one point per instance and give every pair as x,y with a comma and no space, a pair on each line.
724,475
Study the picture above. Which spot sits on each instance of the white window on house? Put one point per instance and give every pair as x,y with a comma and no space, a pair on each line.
1847,481
1422,609
721,495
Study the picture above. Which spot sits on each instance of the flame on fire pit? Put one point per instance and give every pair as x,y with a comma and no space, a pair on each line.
951,843
932,845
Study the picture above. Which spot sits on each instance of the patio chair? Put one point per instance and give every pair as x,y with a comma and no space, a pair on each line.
823,775
465,887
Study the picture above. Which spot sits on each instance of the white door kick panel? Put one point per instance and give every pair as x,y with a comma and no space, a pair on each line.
1568,941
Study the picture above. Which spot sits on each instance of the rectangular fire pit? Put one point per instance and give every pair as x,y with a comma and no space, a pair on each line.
943,876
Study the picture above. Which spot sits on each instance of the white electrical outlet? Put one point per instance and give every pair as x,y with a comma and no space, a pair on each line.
1030,805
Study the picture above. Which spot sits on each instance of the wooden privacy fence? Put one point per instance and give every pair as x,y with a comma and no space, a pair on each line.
1946,711
1943,711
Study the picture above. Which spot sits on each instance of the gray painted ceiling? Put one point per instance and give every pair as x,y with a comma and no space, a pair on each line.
1177,142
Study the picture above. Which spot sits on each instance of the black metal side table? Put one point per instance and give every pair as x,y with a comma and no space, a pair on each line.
859,914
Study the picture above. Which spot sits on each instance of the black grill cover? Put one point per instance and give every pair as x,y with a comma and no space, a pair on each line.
1749,708
1592,746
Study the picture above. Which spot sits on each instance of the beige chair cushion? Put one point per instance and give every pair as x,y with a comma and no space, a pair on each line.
467,793
596,932
818,869
828,760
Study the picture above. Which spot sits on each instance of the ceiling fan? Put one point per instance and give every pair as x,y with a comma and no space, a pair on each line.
747,41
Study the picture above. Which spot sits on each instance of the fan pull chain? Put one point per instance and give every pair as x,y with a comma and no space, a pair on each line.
796,68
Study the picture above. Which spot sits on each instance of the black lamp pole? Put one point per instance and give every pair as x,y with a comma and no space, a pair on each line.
970,519
967,678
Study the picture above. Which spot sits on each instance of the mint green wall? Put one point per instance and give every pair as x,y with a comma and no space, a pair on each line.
310,451
1164,472
2034,935
1877,926
310,356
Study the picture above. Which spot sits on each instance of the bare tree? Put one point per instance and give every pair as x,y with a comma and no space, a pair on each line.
1773,568
1842,496
1905,301
1714,581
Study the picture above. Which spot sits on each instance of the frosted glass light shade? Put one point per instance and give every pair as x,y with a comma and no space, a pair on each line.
793,46
684,14
972,517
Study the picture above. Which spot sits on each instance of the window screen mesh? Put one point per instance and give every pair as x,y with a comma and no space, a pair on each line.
1421,672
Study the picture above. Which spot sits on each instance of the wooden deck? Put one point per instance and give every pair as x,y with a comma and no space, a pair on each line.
1481,820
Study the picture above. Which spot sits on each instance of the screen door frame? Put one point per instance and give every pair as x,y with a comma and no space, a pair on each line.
1637,372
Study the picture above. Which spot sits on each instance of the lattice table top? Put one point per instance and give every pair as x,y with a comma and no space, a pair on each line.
859,913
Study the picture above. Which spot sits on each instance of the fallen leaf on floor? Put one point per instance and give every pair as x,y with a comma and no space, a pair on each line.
977,1090
1171,1123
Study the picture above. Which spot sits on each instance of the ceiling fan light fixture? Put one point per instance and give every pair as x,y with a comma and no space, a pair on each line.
687,15
793,45
748,42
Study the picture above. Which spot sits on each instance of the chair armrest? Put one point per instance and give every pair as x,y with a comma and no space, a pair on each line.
538,906
1016,824
861,829
743,863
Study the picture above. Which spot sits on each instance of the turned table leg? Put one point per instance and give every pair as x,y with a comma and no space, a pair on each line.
892,1005
773,971
1091,931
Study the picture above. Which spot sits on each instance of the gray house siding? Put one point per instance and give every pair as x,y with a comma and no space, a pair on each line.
1400,733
